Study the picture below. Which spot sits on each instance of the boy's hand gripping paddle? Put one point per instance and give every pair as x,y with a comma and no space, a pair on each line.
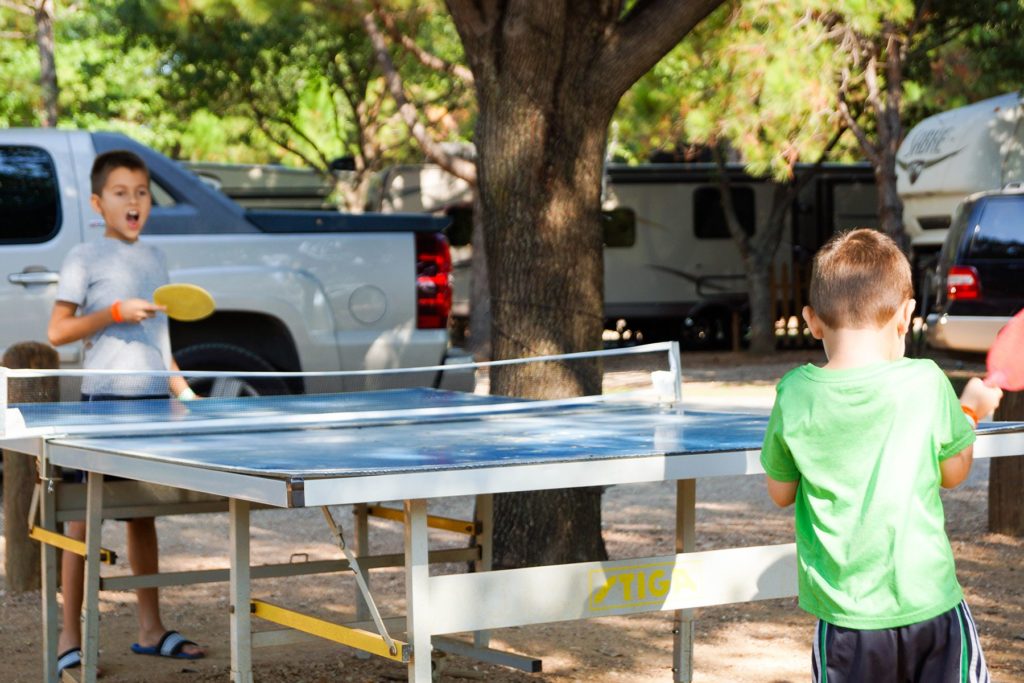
184,302
1005,360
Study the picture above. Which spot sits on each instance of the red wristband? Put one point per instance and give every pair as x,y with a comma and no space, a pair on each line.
115,312
969,412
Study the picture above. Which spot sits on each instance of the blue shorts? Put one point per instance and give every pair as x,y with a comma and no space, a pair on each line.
943,649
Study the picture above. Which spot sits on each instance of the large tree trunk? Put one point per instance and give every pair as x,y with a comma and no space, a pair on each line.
548,75
540,184
480,290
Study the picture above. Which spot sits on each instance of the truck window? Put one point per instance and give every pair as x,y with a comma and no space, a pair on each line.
29,198
1000,230
161,197
709,217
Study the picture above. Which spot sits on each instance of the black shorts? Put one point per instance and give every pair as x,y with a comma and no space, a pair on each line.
944,649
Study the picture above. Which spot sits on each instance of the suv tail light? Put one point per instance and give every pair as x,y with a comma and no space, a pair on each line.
433,284
962,282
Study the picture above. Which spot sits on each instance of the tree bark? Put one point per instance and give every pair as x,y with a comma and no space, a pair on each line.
21,554
47,63
540,180
480,290
1006,478
548,75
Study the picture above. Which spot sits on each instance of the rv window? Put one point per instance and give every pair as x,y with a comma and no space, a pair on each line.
619,227
29,199
998,234
709,218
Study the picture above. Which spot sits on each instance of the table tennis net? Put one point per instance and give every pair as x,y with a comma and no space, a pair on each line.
125,401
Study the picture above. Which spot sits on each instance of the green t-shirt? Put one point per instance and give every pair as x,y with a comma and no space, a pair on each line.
866,444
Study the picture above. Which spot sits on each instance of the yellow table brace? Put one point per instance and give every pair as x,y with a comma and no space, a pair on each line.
61,541
380,644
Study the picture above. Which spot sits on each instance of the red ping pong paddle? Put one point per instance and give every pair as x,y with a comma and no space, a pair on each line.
1005,361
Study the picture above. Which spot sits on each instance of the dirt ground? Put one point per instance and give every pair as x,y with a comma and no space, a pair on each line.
758,642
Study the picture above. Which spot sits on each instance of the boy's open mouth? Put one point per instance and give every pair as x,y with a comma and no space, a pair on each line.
133,217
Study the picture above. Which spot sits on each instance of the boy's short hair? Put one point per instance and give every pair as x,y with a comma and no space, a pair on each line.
109,161
859,279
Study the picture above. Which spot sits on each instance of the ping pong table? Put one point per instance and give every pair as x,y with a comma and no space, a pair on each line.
412,445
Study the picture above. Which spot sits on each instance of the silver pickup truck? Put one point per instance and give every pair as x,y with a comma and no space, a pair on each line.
295,290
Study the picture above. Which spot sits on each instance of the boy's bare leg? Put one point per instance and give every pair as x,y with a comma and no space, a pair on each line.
72,589
143,555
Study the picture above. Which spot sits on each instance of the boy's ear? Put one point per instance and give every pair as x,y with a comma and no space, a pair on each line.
904,316
94,202
814,323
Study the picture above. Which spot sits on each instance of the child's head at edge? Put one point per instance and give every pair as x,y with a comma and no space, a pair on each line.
860,281
120,193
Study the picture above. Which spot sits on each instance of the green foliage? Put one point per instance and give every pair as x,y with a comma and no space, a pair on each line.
753,76
967,52
20,93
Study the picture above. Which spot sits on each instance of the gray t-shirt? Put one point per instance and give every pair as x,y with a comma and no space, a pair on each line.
94,276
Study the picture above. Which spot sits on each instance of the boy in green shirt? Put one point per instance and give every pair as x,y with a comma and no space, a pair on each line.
862,446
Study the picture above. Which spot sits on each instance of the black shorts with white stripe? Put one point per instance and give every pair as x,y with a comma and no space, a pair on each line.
944,649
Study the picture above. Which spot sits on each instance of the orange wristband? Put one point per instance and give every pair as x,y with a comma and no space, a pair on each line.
969,412
115,312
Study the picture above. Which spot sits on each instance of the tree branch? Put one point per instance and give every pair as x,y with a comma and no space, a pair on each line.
18,7
732,221
427,59
14,35
458,167
641,38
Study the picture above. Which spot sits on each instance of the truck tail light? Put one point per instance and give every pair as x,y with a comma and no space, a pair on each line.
433,281
962,282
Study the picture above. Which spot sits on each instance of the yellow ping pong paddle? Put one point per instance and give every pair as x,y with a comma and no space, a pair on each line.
184,302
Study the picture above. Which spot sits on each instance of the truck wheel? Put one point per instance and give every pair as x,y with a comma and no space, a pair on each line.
216,356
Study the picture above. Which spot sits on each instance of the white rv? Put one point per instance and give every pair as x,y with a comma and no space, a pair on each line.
954,154
672,270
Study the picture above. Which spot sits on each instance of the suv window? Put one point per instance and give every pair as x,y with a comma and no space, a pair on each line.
1000,229
29,196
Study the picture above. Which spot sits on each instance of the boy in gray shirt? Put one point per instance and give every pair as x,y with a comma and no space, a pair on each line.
103,298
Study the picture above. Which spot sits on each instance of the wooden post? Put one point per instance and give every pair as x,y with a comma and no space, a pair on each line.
21,554
1006,477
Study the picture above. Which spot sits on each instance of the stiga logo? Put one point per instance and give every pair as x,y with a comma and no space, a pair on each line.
641,585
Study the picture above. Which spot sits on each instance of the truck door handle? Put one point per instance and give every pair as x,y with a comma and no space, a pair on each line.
34,277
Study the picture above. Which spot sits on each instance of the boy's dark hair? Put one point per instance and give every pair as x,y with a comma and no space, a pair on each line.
859,279
109,161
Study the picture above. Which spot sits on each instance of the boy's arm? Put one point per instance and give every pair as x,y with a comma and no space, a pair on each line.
179,387
981,400
783,493
956,469
66,327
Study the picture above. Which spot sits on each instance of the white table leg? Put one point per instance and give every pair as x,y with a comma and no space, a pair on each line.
48,572
241,621
91,601
362,550
417,578
682,628
484,517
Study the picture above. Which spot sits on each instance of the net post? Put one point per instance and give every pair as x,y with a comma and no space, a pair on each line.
675,365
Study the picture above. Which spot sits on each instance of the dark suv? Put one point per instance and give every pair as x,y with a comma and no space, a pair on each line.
979,282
